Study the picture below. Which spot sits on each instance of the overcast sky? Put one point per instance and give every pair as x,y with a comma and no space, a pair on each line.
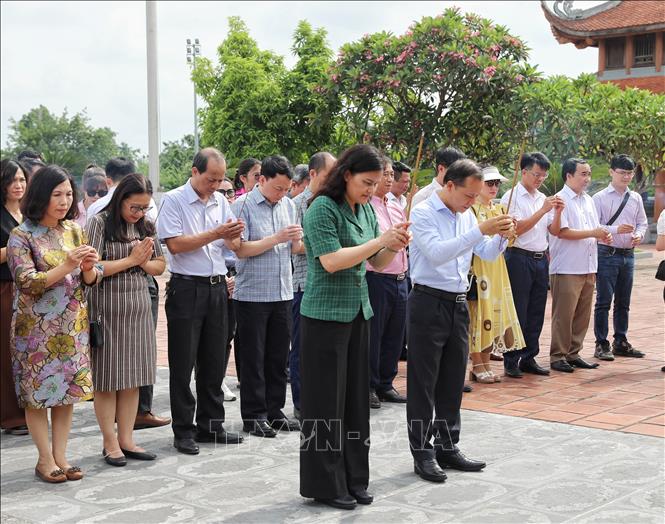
92,55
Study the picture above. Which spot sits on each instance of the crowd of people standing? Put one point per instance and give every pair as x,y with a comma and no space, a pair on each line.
319,275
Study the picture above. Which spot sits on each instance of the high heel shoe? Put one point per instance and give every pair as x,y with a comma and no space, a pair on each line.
483,377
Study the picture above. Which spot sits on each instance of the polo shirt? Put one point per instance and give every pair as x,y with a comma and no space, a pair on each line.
329,227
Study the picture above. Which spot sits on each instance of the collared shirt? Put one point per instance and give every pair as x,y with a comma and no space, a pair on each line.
523,206
425,193
574,257
183,213
98,206
389,213
608,201
443,245
300,260
401,200
329,227
265,277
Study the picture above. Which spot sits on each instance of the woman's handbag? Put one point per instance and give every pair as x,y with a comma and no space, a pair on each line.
660,272
96,333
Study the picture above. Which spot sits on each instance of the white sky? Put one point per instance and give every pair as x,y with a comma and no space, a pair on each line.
92,55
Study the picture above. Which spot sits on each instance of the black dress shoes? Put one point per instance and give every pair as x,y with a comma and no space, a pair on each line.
284,424
531,366
138,455
391,396
455,460
220,437
467,388
580,363
374,401
362,496
259,428
118,462
428,469
345,502
513,372
562,365
186,446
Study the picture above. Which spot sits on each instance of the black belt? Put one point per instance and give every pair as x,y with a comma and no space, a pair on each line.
391,276
211,281
439,293
533,254
626,252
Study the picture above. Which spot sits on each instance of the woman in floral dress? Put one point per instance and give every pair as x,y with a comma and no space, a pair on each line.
50,263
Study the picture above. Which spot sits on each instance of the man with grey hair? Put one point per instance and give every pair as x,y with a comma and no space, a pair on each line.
300,180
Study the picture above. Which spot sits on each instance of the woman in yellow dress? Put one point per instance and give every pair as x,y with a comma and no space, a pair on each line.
494,326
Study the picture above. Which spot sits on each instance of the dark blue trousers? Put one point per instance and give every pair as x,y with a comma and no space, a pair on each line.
294,355
613,280
529,278
388,298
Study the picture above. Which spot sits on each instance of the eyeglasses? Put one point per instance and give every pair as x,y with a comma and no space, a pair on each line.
538,175
623,172
228,193
491,183
139,209
100,193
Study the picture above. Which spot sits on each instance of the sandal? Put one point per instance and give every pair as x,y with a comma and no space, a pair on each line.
55,477
483,377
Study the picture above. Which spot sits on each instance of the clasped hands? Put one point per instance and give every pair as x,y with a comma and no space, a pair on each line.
503,225
83,257
397,237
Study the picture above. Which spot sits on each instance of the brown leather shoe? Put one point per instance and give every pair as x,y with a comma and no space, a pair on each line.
74,473
54,477
149,420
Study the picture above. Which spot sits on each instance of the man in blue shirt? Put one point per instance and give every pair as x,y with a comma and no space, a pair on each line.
445,236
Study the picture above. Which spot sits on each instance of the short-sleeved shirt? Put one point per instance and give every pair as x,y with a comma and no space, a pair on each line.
329,227
266,277
660,225
300,260
523,206
574,257
182,213
388,213
7,223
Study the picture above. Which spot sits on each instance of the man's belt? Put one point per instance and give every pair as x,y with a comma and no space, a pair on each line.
533,254
439,293
626,252
391,276
211,280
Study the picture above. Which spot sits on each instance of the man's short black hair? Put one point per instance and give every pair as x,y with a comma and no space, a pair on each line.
276,165
537,158
200,161
462,169
446,156
569,167
622,162
119,167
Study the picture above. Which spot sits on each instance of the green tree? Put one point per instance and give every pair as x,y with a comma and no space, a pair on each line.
70,142
175,162
452,77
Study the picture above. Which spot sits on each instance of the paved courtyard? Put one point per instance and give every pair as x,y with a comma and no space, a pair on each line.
586,447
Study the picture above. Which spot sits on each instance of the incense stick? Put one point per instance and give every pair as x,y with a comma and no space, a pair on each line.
414,175
517,169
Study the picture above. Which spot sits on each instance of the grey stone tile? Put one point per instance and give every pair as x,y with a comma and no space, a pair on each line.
148,513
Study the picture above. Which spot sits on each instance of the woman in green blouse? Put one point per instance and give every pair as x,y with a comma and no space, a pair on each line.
341,233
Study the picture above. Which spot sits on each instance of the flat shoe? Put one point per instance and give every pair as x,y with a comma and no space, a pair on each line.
138,455
74,473
55,477
345,502
362,497
111,461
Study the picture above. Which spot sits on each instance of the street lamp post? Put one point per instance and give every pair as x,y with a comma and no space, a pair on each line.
194,50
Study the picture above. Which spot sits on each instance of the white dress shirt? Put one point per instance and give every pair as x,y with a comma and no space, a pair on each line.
574,257
425,192
607,203
401,200
443,245
523,207
98,205
183,213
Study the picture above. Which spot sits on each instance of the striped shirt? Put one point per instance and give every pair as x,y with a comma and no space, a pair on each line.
300,260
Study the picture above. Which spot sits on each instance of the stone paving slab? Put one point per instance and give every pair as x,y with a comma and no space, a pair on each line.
538,471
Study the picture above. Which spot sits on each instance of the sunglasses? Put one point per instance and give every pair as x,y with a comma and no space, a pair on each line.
491,183
228,193
100,193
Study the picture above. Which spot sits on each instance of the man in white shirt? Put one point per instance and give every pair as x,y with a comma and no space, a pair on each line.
445,156
400,183
574,232
527,262
622,211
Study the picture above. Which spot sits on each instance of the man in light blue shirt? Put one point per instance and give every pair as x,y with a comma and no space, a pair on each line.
445,236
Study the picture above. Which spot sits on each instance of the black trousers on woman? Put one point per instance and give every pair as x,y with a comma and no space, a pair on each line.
334,392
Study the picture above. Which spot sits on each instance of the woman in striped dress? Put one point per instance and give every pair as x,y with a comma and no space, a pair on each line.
127,356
